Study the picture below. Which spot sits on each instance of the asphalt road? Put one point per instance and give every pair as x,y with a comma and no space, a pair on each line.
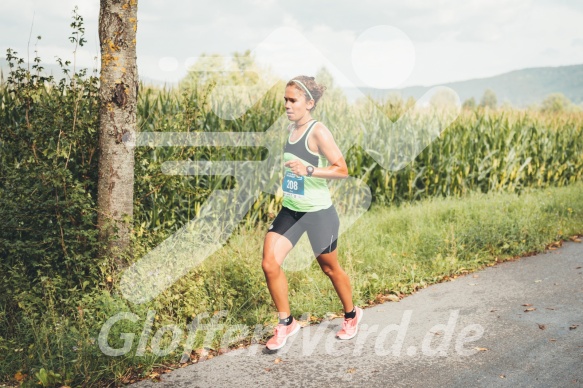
517,324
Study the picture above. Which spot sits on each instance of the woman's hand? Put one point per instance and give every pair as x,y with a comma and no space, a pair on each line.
297,167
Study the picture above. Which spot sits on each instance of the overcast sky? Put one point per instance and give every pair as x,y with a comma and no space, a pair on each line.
368,42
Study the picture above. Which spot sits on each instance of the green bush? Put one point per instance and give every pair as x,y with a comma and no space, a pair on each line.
48,188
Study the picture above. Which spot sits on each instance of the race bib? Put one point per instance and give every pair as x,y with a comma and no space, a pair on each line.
293,185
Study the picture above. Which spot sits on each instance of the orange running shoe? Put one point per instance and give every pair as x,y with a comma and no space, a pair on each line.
282,333
350,326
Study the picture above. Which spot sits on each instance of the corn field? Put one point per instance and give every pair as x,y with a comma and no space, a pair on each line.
483,150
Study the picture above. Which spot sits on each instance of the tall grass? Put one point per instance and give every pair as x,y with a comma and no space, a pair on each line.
394,250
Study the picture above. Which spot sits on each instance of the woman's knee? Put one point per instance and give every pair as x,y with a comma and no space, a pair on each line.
270,266
328,270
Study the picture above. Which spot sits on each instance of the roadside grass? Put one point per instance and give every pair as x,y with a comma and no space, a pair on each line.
399,250
388,253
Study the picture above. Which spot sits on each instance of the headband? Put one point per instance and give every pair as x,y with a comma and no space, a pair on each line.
304,87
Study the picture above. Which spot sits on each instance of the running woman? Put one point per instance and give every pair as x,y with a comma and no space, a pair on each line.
311,156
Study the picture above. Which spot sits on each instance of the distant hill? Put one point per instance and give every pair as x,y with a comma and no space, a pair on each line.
520,87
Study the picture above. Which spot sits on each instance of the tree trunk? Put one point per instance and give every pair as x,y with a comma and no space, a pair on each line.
117,129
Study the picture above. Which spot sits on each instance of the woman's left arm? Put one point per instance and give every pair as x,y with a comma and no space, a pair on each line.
327,147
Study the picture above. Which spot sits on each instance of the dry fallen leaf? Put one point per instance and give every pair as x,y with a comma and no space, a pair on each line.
573,327
18,376
392,298
575,239
556,244
154,376
126,379
529,309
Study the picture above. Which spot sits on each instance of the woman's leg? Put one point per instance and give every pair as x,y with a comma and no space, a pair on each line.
275,249
340,280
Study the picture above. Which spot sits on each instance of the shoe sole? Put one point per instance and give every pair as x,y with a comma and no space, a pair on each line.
356,332
285,340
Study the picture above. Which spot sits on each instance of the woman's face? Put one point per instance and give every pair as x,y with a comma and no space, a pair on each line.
296,105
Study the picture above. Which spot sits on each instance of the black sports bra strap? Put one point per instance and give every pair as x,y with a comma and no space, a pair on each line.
307,133
311,125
